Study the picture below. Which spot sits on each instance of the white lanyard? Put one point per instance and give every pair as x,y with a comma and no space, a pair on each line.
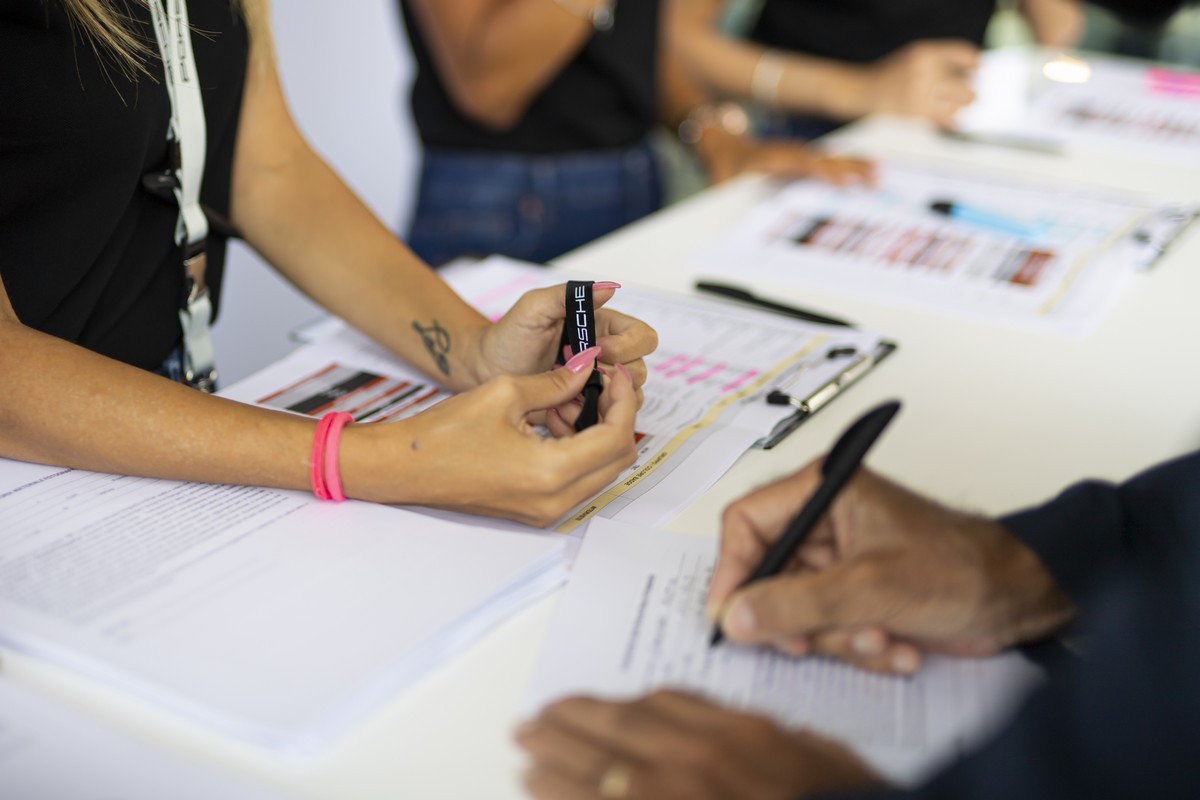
188,138
187,114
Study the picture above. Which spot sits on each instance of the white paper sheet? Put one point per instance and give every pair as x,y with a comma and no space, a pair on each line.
1078,251
1138,109
632,620
49,752
704,399
265,614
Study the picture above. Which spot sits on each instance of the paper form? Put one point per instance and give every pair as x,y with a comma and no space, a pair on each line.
1063,272
632,620
264,614
1139,109
48,752
704,398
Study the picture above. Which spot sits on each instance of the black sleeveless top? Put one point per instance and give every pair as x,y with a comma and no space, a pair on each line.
86,253
865,30
606,97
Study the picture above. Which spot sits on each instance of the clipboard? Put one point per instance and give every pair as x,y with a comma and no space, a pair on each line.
810,402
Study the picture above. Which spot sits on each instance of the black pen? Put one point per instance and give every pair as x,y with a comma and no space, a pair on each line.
734,293
840,465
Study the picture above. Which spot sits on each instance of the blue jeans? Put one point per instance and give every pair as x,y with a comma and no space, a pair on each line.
528,207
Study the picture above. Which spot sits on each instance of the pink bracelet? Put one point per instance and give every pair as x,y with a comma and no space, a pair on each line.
333,441
316,459
323,473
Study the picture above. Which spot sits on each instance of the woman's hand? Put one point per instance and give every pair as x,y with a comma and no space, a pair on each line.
726,155
674,746
479,452
526,339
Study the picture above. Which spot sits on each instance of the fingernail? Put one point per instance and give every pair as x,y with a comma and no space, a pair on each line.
904,662
583,361
625,372
566,352
603,371
605,285
867,643
739,619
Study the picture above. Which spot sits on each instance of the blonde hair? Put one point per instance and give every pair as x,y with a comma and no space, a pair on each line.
108,29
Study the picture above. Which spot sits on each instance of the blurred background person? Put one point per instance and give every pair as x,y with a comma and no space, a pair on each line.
536,115
818,64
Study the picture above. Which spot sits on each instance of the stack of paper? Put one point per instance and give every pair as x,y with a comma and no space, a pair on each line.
264,614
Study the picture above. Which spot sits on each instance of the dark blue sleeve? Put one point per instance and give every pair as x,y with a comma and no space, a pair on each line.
1124,721
1095,530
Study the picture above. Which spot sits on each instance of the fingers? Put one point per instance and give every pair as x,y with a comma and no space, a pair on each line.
750,525
844,171
870,648
848,594
625,340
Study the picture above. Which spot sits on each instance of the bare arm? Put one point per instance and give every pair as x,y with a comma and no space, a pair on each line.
62,404
496,56
928,78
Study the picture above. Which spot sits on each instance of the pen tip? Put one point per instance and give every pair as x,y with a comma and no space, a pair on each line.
716,637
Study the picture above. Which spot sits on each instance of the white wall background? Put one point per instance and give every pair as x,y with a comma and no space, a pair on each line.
346,72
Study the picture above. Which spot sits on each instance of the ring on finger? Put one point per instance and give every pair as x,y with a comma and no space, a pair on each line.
615,782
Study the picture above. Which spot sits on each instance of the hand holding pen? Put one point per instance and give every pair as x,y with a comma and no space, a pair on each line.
837,469
884,577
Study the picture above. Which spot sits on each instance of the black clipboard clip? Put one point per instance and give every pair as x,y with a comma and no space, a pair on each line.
823,394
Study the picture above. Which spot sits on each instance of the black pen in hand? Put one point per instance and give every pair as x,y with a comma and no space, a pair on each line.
839,467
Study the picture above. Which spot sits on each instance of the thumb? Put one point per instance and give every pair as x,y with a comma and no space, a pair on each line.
846,594
550,389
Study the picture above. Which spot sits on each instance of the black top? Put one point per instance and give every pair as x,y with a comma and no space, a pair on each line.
86,253
1124,721
865,30
606,97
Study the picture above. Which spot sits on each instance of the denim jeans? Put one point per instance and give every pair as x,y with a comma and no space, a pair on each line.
528,207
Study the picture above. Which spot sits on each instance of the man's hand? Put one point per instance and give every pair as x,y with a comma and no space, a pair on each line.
673,746
885,576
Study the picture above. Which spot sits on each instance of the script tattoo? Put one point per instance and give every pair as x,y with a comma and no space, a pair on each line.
437,342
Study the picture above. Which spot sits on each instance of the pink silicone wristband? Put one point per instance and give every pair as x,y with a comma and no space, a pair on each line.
333,441
316,459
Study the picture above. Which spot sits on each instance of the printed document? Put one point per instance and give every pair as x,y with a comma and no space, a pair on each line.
1017,254
48,752
705,399
265,614
631,621
1139,109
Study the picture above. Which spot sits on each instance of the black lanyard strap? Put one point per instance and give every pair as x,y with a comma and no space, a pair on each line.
579,333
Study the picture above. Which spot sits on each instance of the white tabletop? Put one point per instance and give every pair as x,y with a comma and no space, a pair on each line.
994,418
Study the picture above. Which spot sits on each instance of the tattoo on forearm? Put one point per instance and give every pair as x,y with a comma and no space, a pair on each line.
437,342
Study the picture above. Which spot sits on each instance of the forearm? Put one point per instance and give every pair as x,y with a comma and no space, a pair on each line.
496,56
295,211
64,405
800,83
304,221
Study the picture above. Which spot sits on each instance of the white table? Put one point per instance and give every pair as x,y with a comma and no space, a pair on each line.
993,418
